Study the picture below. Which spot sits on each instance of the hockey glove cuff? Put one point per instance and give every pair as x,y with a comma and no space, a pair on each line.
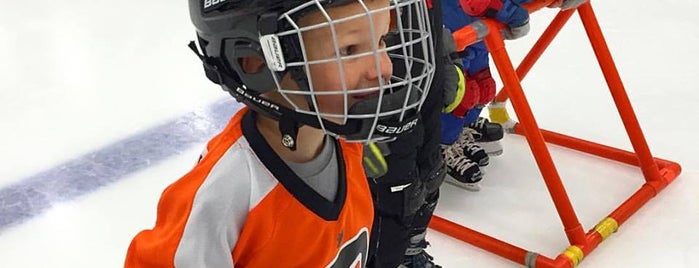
470,98
516,17
486,84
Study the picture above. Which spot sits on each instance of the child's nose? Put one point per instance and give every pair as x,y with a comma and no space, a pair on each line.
385,69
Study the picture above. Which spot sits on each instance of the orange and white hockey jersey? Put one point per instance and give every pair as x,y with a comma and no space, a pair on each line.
241,206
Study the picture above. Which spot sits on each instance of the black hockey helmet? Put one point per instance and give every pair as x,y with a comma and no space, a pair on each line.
229,30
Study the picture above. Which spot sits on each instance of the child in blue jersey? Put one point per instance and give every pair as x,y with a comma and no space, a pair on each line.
468,140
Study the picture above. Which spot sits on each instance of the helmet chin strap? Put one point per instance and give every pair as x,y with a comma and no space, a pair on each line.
289,129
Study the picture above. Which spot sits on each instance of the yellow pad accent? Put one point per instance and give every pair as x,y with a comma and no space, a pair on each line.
375,165
606,227
368,163
575,254
460,91
498,113
378,155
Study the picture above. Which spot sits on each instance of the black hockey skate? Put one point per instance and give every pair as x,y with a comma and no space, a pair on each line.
487,135
462,171
471,149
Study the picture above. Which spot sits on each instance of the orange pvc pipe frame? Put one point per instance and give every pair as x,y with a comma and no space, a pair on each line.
538,49
658,173
616,87
471,34
571,224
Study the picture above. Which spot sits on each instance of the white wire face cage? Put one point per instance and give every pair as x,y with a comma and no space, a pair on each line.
366,60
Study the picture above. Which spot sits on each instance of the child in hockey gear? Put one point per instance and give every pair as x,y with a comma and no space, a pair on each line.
455,126
459,13
283,184
406,196
457,100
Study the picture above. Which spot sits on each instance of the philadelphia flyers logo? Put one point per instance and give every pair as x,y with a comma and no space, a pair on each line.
353,253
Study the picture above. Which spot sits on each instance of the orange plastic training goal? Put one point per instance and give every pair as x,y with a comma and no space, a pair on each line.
658,173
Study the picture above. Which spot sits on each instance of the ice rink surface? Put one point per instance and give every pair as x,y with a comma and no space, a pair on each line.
102,105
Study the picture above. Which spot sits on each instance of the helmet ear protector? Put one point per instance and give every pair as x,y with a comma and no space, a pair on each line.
232,50
276,39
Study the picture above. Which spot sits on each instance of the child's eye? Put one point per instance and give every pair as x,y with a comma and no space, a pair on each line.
352,49
346,51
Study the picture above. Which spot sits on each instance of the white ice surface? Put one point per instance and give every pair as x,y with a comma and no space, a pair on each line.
76,76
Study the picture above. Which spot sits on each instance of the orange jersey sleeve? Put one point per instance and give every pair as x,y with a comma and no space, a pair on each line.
241,206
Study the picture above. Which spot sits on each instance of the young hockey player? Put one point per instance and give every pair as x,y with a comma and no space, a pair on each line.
405,175
468,139
282,185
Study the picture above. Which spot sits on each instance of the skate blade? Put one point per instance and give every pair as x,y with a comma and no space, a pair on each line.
494,153
471,187
492,148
